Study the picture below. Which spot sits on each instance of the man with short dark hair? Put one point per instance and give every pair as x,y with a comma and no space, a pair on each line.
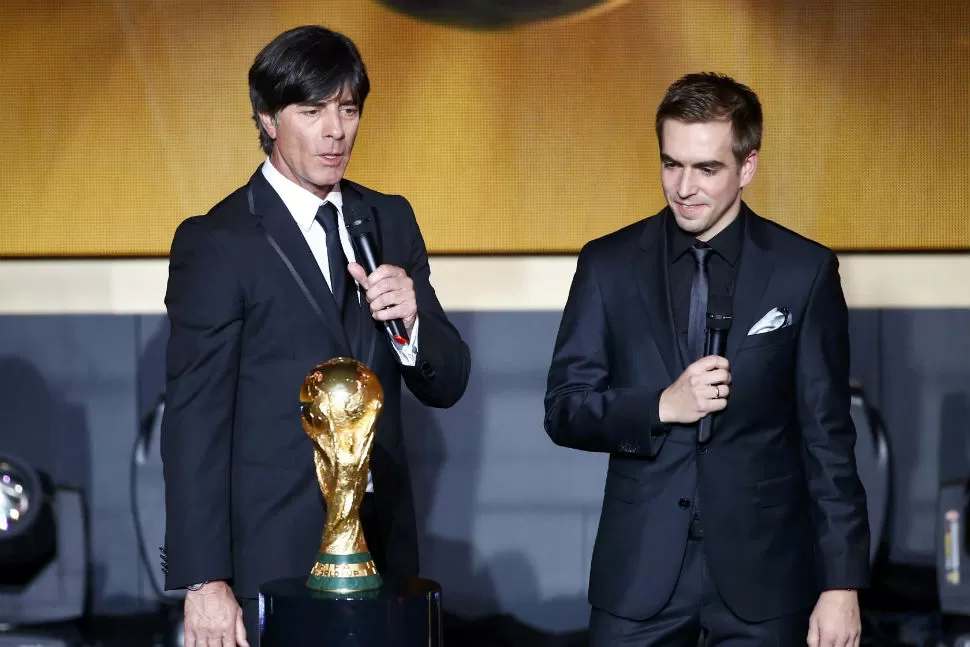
742,534
262,289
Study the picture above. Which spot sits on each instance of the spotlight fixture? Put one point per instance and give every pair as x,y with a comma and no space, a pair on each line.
28,540
498,14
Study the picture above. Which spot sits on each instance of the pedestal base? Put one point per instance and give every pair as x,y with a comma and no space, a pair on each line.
402,613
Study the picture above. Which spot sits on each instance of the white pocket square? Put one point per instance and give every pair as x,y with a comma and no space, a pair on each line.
775,319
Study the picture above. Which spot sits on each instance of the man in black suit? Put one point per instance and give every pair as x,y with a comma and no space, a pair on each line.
260,291
741,535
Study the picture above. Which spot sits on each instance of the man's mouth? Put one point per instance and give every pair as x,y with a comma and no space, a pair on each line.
690,208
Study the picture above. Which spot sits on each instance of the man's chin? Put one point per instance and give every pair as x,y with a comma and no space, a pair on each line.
328,179
691,224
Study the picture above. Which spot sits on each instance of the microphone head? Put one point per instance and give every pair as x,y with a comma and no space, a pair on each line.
719,312
359,219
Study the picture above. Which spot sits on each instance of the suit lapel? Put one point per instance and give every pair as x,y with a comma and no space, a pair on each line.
754,272
650,269
276,221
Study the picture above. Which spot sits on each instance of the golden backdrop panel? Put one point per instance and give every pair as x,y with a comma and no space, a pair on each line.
516,132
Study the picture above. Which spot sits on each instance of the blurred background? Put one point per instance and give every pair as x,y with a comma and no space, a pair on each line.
518,130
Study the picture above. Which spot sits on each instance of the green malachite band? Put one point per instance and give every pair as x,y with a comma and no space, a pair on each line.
347,595
348,584
355,558
344,583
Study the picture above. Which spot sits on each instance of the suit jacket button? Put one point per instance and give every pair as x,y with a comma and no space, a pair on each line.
684,503
426,369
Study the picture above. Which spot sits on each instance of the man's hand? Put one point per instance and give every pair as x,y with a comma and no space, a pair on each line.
213,618
390,293
700,389
835,621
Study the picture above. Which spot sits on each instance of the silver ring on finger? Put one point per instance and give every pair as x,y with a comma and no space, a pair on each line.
717,391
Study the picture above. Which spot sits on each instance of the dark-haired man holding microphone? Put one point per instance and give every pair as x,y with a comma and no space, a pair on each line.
260,291
758,535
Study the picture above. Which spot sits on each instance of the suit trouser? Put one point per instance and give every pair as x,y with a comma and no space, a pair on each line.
375,544
695,605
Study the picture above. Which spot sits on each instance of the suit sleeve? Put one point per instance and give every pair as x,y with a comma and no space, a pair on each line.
583,411
823,400
440,373
205,309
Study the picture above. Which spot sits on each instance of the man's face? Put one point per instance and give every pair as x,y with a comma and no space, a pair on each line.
313,142
701,178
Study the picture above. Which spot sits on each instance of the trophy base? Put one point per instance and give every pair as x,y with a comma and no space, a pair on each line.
401,613
344,573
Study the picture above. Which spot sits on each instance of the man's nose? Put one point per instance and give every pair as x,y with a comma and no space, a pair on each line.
333,126
685,187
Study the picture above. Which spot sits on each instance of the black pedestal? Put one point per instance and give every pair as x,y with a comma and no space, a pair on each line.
402,613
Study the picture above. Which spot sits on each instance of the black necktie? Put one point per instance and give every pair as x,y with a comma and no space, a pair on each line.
341,283
697,321
696,333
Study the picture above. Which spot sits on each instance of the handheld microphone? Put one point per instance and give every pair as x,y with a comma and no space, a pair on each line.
719,313
363,231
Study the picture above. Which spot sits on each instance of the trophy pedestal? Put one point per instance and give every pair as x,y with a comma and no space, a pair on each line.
402,613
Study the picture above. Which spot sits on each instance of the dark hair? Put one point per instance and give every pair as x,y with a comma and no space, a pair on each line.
304,65
699,98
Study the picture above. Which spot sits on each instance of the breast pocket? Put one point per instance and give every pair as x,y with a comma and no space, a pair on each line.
780,336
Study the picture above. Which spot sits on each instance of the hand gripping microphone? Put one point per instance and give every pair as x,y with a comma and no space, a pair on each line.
719,311
362,228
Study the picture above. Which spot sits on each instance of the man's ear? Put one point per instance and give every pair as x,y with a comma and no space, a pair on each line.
269,124
748,168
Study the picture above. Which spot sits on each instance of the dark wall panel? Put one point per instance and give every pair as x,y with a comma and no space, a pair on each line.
507,518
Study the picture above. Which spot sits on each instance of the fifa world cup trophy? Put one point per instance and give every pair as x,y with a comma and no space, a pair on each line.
340,402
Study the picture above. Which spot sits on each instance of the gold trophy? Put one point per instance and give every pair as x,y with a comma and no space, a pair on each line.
340,401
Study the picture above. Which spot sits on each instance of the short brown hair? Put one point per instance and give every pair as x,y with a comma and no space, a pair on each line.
707,96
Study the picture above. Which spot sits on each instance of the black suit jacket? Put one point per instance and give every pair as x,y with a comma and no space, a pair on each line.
784,512
251,315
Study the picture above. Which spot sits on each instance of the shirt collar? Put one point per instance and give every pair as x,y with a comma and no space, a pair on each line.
301,204
726,243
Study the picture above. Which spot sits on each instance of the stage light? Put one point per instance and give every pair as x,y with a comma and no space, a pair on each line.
478,15
14,499
43,557
28,539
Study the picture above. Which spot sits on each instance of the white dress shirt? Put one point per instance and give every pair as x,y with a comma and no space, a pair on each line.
303,206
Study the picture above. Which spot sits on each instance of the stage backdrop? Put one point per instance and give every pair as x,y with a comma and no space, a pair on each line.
513,127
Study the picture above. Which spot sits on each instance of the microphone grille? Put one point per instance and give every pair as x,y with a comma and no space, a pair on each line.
719,312
357,219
